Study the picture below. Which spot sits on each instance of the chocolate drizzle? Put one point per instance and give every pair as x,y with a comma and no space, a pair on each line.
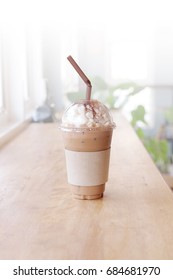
90,104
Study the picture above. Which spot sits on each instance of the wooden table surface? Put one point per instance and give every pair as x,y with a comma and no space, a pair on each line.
39,219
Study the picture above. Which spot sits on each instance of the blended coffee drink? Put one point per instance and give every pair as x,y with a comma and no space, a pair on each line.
87,132
87,128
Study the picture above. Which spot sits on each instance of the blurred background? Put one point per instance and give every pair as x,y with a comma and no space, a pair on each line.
125,47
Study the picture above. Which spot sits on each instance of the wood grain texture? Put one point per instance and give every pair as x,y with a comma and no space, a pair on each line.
39,219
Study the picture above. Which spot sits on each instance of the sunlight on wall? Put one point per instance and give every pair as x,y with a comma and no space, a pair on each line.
129,60
118,40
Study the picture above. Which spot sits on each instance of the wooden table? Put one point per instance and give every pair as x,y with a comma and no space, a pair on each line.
39,219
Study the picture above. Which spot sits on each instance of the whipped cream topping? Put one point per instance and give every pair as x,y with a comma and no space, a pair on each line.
92,114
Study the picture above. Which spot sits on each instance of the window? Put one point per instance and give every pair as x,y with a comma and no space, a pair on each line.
1,87
1,95
21,79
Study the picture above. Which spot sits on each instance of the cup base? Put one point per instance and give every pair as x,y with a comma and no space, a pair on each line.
88,197
88,192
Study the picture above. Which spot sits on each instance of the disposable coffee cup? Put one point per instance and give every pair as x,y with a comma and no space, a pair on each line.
87,128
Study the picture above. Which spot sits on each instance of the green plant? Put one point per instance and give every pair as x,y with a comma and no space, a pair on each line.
157,148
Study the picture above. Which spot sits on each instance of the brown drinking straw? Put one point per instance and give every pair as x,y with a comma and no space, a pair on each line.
82,75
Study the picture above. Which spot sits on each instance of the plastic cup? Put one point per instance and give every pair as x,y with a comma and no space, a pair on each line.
87,128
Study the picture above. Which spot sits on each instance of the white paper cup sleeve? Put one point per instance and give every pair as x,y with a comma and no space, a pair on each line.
87,168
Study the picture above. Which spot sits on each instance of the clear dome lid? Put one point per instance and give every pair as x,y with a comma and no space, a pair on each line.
90,114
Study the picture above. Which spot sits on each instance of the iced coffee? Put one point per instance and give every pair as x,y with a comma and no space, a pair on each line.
87,128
